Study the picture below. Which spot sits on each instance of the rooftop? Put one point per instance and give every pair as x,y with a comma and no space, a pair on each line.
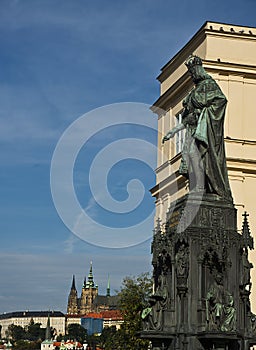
20,314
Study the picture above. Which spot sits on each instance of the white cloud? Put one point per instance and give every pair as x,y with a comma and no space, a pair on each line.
69,244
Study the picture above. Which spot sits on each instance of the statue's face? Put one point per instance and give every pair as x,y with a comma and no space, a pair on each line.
192,71
219,279
196,73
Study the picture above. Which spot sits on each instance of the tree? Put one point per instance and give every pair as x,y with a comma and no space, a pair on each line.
26,345
77,332
34,331
109,338
133,298
16,332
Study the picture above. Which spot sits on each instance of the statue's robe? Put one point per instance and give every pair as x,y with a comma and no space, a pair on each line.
208,104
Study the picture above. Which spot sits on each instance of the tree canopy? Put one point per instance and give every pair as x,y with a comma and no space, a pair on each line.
77,332
34,331
16,332
133,298
31,332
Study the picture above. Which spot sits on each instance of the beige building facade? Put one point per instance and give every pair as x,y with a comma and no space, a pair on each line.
229,56
23,319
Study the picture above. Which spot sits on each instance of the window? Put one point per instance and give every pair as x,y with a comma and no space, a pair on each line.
179,137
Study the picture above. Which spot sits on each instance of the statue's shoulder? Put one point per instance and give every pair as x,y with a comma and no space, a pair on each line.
208,84
210,88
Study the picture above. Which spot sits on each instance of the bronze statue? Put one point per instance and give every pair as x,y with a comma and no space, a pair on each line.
152,315
203,153
181,261
220,310
245,274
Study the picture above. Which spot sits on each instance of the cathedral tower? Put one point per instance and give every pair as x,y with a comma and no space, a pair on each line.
72,299
89,292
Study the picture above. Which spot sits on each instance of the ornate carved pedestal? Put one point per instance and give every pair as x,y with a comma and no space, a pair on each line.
201,278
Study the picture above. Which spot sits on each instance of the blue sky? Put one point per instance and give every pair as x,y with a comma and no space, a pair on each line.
61,59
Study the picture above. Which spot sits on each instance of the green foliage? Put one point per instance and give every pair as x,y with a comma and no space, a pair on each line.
16,332
109,338
26,345
133,298
34,331
61,337
77,332
94,342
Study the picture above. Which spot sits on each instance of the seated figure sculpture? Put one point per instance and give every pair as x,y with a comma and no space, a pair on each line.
203,153
220,310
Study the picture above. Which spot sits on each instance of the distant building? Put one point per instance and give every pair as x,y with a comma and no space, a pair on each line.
90,300
69,345
71,319
23,319
108,318
93,325
112,318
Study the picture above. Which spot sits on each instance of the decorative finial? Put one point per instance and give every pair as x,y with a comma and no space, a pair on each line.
90,281
246,234
158,226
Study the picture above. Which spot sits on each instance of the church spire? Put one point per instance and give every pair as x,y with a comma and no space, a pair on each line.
72,299
48,329
73,283
108,287
90,281
84,285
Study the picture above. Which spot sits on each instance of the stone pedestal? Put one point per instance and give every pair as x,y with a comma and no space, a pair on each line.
202,279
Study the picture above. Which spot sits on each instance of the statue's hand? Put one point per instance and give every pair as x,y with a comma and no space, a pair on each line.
168,136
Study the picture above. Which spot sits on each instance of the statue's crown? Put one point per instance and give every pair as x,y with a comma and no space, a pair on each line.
193,61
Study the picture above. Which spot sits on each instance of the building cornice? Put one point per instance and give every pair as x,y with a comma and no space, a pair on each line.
208,28
176,92
246,166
